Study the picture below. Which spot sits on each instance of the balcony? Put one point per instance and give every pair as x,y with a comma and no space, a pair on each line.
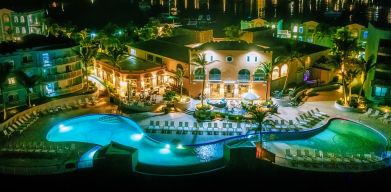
66,90
62,76
63,60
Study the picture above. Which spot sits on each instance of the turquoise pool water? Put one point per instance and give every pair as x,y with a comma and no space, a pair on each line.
341,136
102,129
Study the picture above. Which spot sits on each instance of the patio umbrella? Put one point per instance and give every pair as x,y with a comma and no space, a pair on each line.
250,97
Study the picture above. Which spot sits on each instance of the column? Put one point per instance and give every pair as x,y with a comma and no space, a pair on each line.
222,88
236,90
154,81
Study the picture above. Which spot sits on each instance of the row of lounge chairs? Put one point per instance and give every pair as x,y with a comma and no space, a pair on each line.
70,106
306,120
36,148
320,159
21,124
377,114
195,128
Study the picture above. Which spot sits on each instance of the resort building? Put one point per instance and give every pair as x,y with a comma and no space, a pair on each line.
53,59
15,25
378,85
231,72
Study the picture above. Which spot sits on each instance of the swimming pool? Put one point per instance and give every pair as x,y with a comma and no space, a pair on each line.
102,129
340,136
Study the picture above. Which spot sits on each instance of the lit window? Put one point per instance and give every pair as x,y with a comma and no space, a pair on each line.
300,38
21,19
16,19
276,73
365,34
295,29
381,91
12,81
46,59
17,30
30,18
23,30
301,30
133,52
310,40
229,58
284,70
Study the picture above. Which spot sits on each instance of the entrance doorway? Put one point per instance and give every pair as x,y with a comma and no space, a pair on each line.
229,91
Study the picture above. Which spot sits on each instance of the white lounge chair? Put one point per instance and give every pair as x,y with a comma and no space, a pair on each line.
376,114
369,112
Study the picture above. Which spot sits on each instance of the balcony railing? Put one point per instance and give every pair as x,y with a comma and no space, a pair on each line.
244,78
63,60
214,77
66,90
63,76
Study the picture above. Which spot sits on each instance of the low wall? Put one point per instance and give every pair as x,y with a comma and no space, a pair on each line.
348,109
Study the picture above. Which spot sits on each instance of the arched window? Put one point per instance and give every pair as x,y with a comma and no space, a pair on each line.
284,70
214,74
23,30
6,18
259,75
21,19
179,67
199,74
276,73
244,75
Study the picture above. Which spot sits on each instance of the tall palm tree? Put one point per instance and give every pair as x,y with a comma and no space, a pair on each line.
366,66
259,113
344,47
350,75
179,74
86,55
29,82
267,69
200,61
5,70
114,55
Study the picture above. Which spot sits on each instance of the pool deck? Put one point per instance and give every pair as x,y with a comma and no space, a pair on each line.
37,132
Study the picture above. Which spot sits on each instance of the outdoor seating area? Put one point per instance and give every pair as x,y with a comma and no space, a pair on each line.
306,120
317,159
196,128
385,118
22,123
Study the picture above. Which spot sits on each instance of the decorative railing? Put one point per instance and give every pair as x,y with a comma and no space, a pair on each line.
63,76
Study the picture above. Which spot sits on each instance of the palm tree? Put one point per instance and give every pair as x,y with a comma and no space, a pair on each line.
179,74
366,66
267,69
350,75
5,70
115,55
86,55
259,113
29,82
344,46
200,61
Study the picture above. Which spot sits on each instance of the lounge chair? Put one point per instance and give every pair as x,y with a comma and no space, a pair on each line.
322,113
376,114
150,127
171,127
186,128
369,112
